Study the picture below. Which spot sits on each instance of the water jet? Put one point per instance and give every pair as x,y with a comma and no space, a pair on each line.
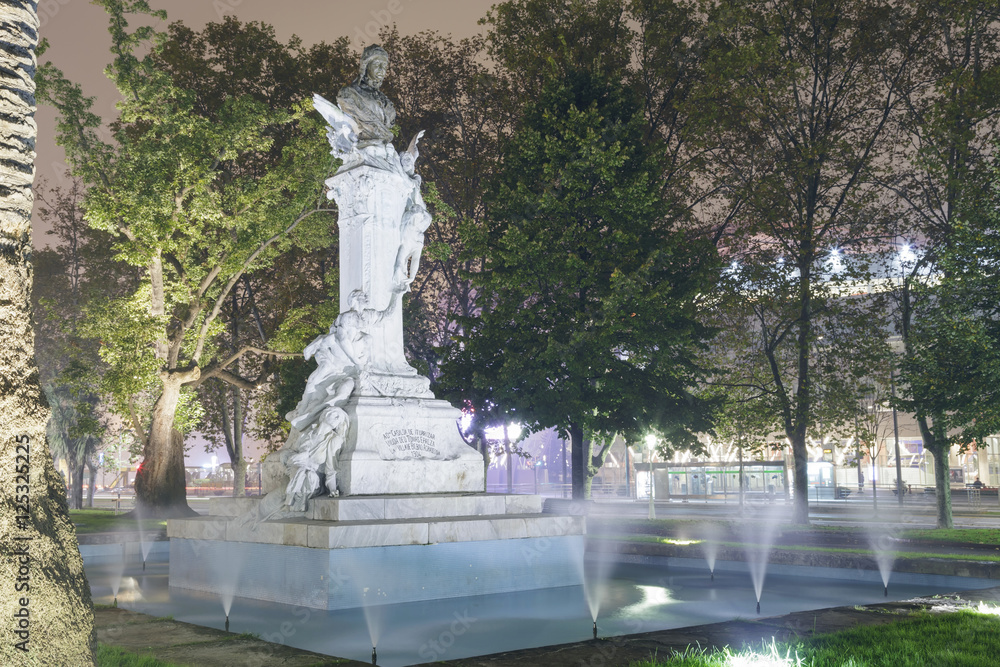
883,550
710,536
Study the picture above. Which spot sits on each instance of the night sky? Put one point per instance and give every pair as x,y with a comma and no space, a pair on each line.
79,45
79,41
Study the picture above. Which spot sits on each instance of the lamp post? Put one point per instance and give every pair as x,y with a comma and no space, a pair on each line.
650,444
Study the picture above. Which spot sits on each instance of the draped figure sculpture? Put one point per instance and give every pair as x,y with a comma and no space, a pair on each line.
368,422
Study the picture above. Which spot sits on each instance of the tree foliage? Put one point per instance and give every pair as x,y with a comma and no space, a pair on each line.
197,195
586,289
948,137
797,105
951,368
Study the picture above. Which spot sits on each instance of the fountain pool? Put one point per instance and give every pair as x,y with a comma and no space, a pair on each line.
638,597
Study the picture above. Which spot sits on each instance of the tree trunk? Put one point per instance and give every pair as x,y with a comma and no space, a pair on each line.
233,435
160,488
46,604
76,486
237,461
510,460
800,479
93,480
578,463
939,449
942,484
588,474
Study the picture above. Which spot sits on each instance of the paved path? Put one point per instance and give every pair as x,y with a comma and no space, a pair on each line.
186,644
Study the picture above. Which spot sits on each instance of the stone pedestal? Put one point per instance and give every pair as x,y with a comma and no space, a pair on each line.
399,446
371,203
406,446
354,551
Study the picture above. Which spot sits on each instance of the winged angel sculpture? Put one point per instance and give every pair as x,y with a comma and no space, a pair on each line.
360,134
342,132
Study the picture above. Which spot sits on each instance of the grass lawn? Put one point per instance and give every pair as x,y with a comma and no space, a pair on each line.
981,536
989,536
902,555
112,656
964,638
103,521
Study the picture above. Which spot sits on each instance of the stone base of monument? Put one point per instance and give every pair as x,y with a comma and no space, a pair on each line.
357,551
398,445
408,445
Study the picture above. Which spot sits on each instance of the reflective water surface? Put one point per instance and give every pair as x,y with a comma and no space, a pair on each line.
636,598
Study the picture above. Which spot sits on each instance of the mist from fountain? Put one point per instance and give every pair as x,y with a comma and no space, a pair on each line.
371,588
145,543
883,551
710,535
228,570
116,572
758,538
594,574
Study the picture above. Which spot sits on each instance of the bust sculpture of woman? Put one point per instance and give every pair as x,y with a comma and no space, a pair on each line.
366,104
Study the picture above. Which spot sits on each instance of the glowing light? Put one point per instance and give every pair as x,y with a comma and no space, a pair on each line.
680,543
650,441
984,608
496,432
652,597
768,657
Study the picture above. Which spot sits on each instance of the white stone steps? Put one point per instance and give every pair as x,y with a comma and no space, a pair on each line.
376,508
381,532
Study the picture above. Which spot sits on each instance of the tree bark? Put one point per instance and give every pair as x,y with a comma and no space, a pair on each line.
40,565
510,460
93,480
942,483
160,487
76,485
939,449
588,473
237,461
578,462
800,479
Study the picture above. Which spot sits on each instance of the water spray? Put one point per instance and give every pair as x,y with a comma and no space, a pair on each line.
595,629
227,622
758,606
374,656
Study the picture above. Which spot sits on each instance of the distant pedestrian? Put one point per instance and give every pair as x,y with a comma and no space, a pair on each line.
977,484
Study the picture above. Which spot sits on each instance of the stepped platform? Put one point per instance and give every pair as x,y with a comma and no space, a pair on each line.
360,550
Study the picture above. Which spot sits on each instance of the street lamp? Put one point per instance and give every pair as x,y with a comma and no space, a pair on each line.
650,444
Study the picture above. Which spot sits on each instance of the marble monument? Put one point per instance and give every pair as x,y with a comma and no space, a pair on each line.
372,414
375,475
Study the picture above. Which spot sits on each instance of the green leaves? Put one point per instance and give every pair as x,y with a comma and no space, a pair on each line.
586,290
952,369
